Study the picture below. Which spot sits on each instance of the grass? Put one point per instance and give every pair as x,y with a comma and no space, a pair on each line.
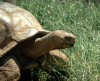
80,19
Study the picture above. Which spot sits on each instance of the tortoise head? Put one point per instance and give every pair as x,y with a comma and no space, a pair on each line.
63,39
58,39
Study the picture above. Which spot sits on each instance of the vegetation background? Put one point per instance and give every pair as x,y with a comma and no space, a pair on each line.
80,17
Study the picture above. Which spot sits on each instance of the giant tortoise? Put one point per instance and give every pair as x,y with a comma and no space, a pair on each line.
23,42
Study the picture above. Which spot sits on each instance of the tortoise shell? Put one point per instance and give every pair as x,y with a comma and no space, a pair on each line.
16,24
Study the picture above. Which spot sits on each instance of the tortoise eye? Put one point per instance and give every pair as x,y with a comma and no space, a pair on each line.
70,40
67,38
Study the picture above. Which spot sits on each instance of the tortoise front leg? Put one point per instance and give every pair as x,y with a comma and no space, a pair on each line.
9,71
57,65
54,63
53,60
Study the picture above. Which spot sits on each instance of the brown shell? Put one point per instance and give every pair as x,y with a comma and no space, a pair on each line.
16,24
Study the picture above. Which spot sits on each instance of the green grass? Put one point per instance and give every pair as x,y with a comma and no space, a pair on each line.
80,19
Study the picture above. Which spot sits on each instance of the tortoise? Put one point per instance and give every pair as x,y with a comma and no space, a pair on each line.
23,42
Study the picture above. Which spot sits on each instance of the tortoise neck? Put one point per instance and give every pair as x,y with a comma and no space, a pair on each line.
41,46
46,43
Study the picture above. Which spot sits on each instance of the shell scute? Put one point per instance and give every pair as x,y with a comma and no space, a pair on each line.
16,24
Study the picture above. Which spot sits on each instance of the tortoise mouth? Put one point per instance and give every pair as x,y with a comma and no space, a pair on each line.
69,45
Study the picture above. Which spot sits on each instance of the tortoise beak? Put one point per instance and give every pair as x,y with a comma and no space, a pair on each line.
69,45
70,41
